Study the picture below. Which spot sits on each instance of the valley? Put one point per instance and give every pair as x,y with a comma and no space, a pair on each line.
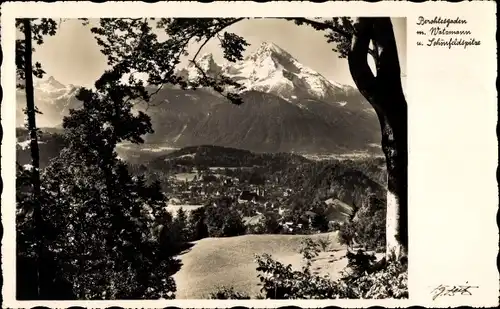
298,160
279,200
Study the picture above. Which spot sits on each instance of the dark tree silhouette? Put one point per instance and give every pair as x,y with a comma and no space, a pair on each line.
25,70
116,253
35,153
384,92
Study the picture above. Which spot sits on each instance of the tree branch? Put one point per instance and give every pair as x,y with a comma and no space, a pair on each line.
358,63
193,60
214,33
321,26
388,60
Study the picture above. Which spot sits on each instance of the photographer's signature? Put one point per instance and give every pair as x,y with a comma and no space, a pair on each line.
452,290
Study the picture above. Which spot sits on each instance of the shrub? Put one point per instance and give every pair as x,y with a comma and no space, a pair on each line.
106,248
347,231
224,221
197,226
334,226
390,281
366,278
282,282
324,242
320,220
367,228
233,225
223,292
360,262
309,250
271,224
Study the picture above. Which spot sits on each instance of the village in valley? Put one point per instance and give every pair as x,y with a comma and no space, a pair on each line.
254,199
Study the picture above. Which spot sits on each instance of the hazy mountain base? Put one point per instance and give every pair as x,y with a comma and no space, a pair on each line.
265,123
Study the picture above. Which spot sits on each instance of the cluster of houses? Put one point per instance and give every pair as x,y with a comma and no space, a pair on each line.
287,227
253,200
204,186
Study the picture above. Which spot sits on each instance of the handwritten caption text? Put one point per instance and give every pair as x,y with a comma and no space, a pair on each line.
445,32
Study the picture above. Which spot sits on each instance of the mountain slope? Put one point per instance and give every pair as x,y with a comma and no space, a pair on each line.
263,123
287,108
209,261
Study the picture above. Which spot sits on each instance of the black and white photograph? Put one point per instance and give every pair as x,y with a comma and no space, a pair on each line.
218,158
200,156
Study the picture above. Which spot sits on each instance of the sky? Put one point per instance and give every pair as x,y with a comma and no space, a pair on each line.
73,57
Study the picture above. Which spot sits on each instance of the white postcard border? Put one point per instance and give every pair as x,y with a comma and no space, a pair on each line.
453,154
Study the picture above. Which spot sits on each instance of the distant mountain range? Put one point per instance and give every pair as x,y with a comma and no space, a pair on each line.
287,108
52,98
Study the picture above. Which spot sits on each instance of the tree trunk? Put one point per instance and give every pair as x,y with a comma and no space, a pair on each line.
385,93
35,154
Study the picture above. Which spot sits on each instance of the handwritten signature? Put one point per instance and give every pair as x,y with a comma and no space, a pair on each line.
452,290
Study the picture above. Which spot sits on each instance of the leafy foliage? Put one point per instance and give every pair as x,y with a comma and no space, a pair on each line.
223,292
224,221
116,244
271,224
320,220
348,180
324,242
367,227
39,28
132,47
366,279
115,251
197,224
181,224
339,30
282,282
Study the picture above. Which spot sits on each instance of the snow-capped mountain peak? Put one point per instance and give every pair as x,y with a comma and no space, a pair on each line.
50,85
268,49
207,63
52,98
272,69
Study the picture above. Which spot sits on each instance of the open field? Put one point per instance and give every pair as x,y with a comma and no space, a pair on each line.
230,261
185,176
